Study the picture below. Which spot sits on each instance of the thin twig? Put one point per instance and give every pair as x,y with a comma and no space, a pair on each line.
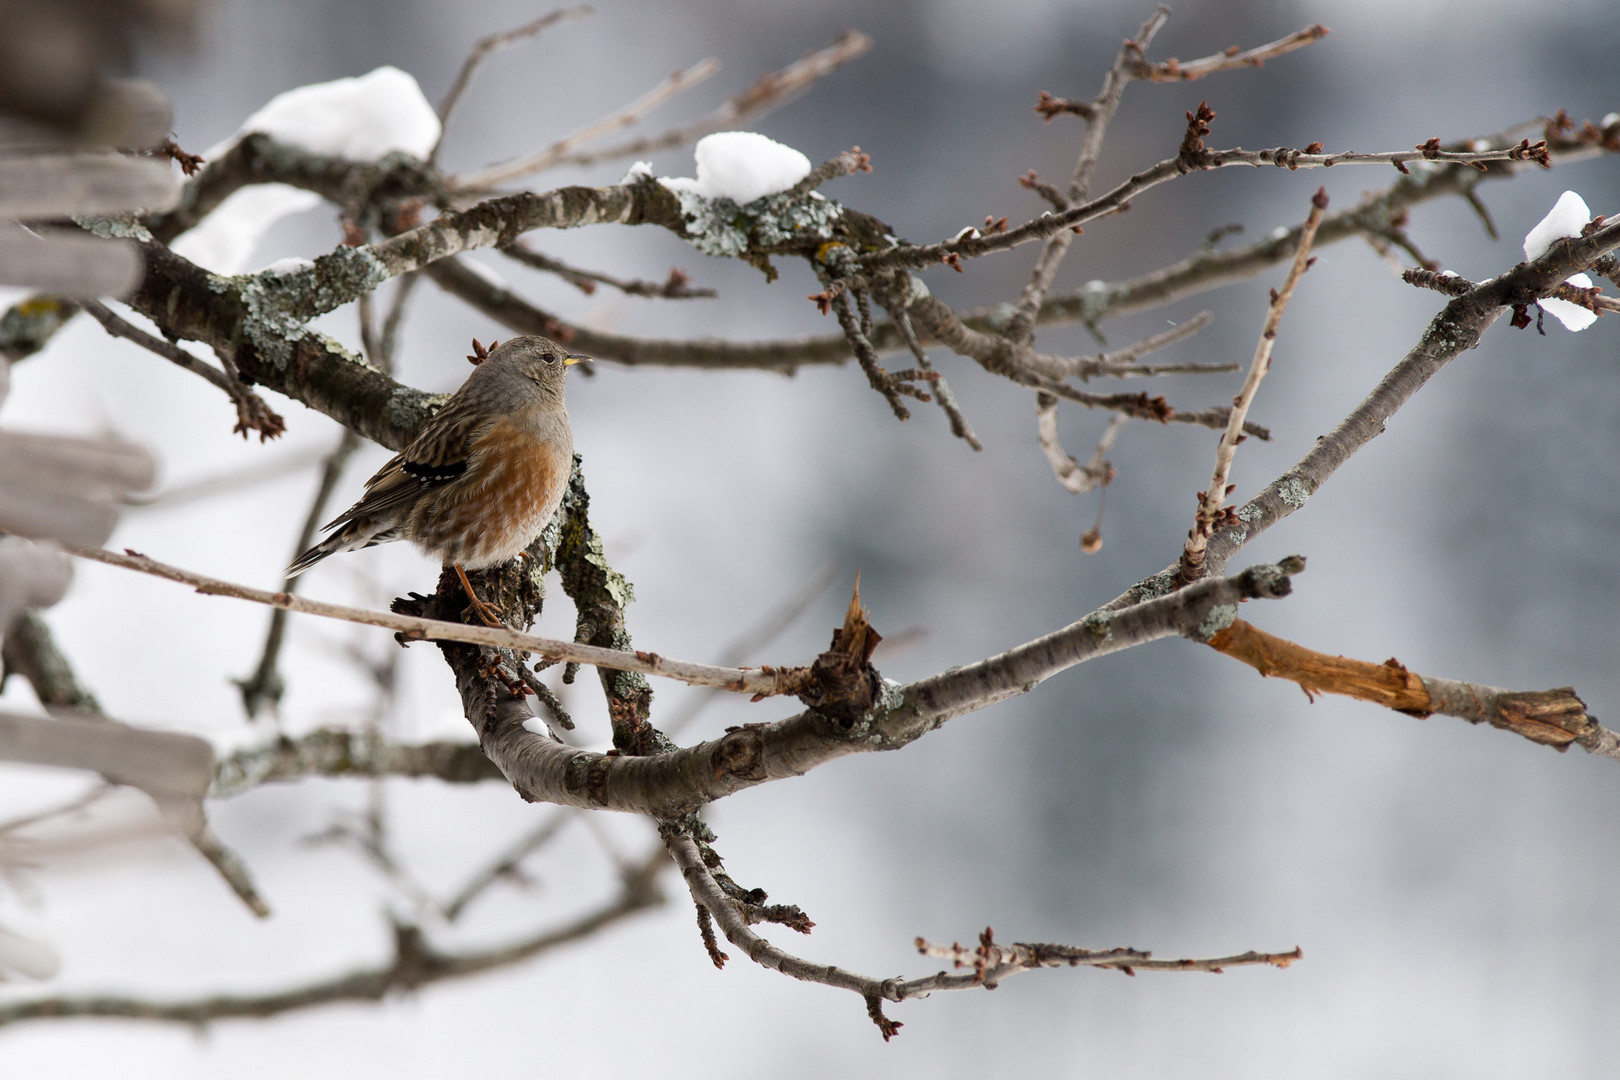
505,867
1173,70
232,482
768,92
388,339
265,686
880,380
34,652
766,681
1050,224
1074,476
252,414
1121,363
991,963
674,287
414,964
743,647
1214,498
1142,407
492,43
1021,327
942,390
557,152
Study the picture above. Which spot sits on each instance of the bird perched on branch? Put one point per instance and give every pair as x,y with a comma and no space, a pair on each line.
482,478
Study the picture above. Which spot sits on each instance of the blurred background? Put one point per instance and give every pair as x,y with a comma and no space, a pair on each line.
1449,886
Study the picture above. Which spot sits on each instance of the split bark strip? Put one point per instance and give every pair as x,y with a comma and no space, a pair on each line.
1556,717
1209,505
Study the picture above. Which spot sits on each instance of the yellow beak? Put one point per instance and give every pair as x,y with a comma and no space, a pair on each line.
574,358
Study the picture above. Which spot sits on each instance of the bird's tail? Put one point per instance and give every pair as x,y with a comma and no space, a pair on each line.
330,546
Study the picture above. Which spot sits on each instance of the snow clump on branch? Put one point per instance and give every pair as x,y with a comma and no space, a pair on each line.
741,166
363,118
1567,218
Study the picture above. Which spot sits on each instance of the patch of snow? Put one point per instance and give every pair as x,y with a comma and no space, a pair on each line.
362,118
227,237
536,726
741,166
1573,316
282,267
1567,218
637,171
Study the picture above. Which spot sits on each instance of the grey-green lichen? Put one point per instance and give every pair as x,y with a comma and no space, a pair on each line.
115,227
721,228
1219,618
1293,491
1161,584
1098,626
278,303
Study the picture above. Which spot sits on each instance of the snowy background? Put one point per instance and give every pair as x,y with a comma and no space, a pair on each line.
1449,886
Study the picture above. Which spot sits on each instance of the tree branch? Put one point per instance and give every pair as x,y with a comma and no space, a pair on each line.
416,963
1556,718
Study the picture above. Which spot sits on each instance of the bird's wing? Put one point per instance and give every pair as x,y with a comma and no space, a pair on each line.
437,455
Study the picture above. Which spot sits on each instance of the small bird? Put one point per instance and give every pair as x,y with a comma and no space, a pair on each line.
484,475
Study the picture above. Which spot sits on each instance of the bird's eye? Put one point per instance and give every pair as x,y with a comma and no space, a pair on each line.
549,359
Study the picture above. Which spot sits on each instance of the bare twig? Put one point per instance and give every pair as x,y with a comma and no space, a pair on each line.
265,686
557,152
232,482
506,866
768,92
1142,407
1021,327
765,681
674,287
1211,501
492,43
1173,70
1121,363
414,964
942,390
991,962
882,381
1051,224
743,647
1070,473
252,414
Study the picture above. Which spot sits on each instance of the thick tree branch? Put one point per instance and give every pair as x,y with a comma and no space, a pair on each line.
670,784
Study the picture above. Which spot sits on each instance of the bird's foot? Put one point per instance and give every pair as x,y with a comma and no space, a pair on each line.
487,614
